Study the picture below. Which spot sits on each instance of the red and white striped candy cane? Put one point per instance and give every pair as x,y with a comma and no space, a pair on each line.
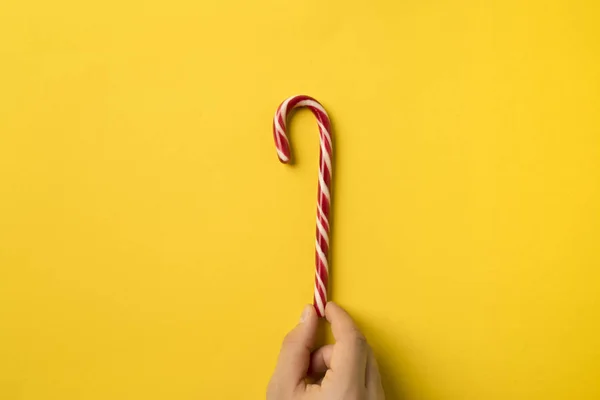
323,192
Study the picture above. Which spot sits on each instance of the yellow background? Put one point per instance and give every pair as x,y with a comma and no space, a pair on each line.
152,246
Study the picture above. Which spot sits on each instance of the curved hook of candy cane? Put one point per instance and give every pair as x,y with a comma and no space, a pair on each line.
282,144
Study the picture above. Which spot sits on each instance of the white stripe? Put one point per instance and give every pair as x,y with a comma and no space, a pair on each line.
325,131
326,157
322,256
324,188
281,156
321,284
283,109
279,131
322,214
322,231
279,138
328,137
278,127
319,302
312,103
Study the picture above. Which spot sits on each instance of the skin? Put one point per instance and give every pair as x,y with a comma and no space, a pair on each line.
346,370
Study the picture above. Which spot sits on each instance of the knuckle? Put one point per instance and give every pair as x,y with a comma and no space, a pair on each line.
359,339
289,339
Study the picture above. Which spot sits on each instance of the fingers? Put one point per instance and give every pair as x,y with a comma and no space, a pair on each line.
350,352
294,357
373,377
320,361
342,325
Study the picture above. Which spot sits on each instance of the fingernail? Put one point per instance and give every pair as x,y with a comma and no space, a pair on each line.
305,314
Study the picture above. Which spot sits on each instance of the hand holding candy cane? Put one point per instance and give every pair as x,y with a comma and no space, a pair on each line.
345,370
323,193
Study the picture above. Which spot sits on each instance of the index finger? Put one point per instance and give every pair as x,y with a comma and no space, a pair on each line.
350,352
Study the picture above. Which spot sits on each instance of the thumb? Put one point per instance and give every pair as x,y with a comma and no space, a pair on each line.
294,357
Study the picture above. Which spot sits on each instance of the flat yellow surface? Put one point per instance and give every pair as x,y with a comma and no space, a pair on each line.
152,246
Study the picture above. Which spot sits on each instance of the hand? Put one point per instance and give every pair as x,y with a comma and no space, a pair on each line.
346,370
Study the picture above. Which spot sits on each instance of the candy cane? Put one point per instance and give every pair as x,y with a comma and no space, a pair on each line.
323,193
